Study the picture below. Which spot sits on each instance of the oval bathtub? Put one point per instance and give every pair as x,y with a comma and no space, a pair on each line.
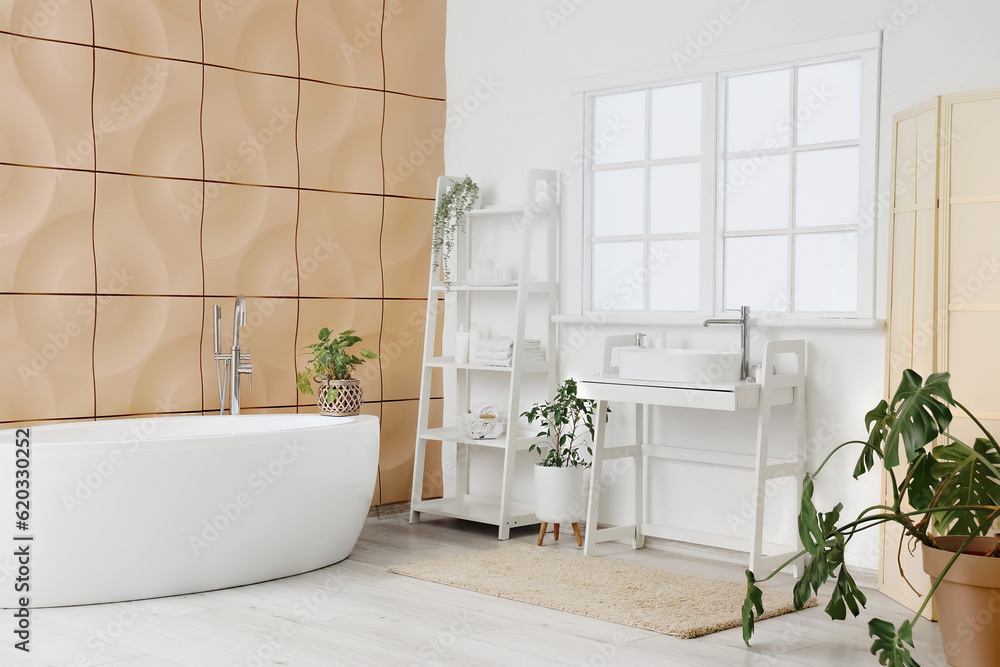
140,508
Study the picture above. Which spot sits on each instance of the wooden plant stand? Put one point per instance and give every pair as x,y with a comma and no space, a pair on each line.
576,532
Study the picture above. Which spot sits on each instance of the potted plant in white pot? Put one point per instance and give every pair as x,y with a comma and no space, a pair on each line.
332,366
952,489
453,206
559,481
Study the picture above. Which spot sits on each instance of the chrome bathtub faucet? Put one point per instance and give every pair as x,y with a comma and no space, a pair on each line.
744,321
234,362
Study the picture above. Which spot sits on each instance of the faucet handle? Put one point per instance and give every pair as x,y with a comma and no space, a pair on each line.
246,369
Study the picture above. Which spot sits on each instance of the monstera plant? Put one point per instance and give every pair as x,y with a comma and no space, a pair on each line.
945,497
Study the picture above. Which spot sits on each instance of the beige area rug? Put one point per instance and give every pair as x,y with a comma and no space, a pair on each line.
611,590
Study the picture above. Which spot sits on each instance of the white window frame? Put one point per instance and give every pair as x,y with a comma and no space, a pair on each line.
707,158
712,73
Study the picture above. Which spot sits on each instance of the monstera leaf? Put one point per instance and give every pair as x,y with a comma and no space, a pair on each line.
846,595
889,645
972,482
878,421
754,601
822,540
815,528
923,482
921,414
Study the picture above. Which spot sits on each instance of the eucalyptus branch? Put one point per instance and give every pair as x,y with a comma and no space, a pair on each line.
449,221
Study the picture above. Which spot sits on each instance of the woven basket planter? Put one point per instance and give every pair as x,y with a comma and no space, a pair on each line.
339,398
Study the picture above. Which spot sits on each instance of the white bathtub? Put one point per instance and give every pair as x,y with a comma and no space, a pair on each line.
140,508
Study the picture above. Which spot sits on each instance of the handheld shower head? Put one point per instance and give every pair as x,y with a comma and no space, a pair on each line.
239,318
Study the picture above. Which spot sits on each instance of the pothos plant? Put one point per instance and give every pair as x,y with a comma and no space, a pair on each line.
563,420
953,489
449,220
330,359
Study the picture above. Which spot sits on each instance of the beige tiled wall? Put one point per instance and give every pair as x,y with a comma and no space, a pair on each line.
160,156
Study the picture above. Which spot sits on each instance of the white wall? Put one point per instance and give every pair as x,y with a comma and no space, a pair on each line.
509,68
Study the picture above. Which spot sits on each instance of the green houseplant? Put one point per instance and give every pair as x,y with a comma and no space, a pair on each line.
332,366
449,220
563,420
559,481
951,489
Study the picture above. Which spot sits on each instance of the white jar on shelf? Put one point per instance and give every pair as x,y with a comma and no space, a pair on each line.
462,344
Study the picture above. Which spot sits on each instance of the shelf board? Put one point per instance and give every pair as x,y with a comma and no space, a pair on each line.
453,434
496,210
692,455
522,439
526,367
480,512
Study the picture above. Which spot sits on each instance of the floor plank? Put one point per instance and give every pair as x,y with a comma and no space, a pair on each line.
357,613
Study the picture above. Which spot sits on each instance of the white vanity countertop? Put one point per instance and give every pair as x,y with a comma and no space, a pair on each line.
707,396
614,378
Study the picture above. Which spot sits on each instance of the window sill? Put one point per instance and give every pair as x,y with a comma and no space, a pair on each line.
600,318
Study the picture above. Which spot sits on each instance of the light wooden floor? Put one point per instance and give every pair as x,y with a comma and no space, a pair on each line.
356,613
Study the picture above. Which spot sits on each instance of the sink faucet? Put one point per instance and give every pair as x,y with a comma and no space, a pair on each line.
233,361
744,321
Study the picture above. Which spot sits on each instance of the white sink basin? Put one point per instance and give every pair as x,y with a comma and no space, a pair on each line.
668,365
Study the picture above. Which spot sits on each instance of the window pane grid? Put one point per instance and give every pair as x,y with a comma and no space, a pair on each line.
612,221
808,221
813,235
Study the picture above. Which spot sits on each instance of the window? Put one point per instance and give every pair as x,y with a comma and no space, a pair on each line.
646,206
735,187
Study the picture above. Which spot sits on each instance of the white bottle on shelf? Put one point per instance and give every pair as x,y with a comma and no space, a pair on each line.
462,344
474,337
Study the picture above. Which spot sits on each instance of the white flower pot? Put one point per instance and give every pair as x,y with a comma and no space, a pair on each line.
560,494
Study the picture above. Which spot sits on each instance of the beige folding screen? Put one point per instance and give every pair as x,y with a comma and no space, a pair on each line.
943,312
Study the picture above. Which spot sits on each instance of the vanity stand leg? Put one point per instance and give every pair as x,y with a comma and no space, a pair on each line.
594,501
541,533
760,476
641,427
555,531
792,468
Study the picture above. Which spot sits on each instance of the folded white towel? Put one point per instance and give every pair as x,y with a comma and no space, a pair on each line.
504,343
506,362
480,354
494,344
500,356
499,363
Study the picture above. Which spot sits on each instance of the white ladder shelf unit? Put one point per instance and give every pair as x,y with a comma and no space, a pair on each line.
539,211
